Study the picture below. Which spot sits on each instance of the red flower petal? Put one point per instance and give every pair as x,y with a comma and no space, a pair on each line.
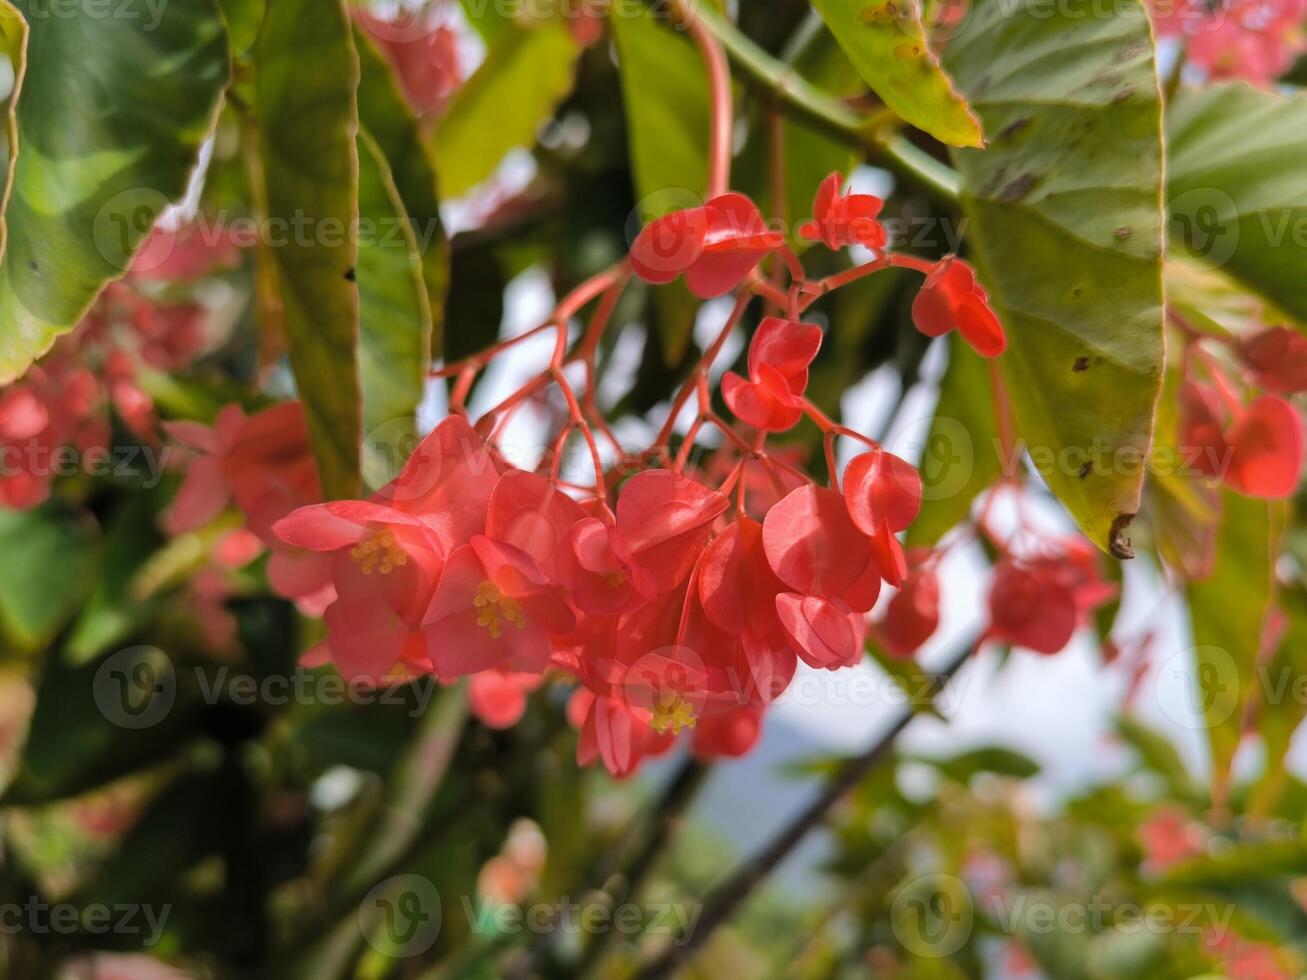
812,544
1266,444
880,486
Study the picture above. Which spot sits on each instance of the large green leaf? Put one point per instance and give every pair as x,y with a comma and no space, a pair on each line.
1236,189
394,320
962,452
307,72
1228,611
49,565
887,44
110,116
502,106
665,93
386,117
1066,226
1282,707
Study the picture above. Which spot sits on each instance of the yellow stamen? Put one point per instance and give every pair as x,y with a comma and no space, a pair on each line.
616,579
672,713
494,606
379,552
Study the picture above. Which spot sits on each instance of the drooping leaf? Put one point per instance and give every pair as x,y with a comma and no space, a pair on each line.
1066,227
394,320
307,71
386,117
1228,611
524,77
109,119
962,454
665,92
50,561
886,42
1235,188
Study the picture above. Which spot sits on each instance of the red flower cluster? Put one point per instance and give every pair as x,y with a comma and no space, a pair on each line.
666,609
64,402
1036,601
424,54
1257,40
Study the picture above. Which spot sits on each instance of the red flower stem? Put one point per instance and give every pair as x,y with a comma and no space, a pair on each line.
577,421
481,358
1219,379
701,369
719,85
813,291
722,904
792,263
774,295
572,303
1004,421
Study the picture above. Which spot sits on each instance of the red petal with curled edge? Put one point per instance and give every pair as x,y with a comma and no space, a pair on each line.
824,631
530,513
669,245
736,585
657,505
887,555
787,347
931,313
1266,444
812,544
880,486
735,240
912,616
980,326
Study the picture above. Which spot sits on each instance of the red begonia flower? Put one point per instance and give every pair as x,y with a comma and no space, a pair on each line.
665,520
879,487
493,607
1266,449
826,633
912,615
1201,433
951,299
844,220
1277,357
498,697
1029,608
780,353
715,246
614,732
599,570
530,513
729,734
449,480
813,545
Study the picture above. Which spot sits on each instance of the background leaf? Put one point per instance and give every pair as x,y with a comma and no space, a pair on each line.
886,43
306,75
1065,210
394,321
84,194
385,116
1227,611
525,75
1235,186
50,561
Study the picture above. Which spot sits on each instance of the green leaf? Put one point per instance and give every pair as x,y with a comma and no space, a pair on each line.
524,77
887,44
304,101
994,759
1066,227
1235,187
386,117
111,112
1160,755
1282,707
665,92
394,320
50,560
962,454
1227,611
243,19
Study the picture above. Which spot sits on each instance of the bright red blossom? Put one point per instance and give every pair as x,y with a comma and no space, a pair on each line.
771,398
716,246
951,299
844,220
